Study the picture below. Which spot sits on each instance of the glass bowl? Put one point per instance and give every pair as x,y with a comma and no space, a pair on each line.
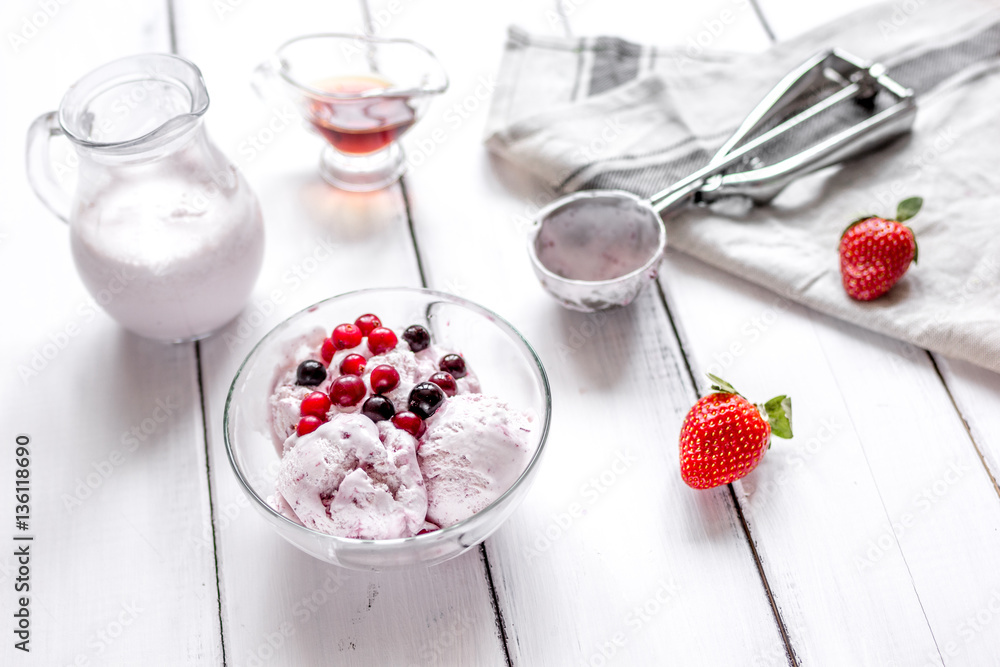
504,362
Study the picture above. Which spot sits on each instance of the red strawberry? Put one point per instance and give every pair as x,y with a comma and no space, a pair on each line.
724,436
875,252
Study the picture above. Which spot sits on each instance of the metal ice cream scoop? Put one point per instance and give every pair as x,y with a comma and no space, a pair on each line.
597,249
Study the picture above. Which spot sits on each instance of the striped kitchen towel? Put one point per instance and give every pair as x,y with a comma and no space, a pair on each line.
605,113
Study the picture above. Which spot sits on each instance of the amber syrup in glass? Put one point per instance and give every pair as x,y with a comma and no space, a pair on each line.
362,125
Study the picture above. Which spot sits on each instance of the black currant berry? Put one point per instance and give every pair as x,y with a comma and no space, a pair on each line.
310,373
425,399
378,408
454,364
417,337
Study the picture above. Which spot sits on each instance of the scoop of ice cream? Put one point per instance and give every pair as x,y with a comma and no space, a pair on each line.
286,402
474,449
286,396
279,503
353,478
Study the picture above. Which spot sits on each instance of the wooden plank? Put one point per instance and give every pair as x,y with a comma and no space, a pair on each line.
881,487
939,501
281,607
611,557
117,465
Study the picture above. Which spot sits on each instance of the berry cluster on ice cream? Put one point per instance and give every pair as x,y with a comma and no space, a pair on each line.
384,435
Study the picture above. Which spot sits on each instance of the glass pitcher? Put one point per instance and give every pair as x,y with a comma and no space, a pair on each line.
165,232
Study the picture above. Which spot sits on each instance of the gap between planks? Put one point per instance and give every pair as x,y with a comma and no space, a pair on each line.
790,653
764,23
766,26
965,422
930,355
211,503
779,621
172,31
487,568
498,613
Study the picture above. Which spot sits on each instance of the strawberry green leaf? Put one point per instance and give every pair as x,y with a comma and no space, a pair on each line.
720,385
908,208
779,413
916,250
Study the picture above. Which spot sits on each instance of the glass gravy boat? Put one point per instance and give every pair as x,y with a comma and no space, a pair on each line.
361,94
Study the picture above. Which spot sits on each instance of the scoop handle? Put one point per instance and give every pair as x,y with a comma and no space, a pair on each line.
39,165
668,201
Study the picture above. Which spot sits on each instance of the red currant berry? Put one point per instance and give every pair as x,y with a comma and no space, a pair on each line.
384,378
316,404
367,322
409,422
381,340
308,424
445,381
346,336
353,364
347,390
327,350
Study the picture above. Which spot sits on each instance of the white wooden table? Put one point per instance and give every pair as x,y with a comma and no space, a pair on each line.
871,538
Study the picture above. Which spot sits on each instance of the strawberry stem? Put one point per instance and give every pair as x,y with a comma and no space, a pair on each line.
777,411
721,386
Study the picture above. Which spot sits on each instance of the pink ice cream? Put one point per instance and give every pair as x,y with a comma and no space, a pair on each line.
354,478
286,396
474,449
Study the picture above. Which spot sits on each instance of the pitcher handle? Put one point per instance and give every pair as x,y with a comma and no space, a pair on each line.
40,174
